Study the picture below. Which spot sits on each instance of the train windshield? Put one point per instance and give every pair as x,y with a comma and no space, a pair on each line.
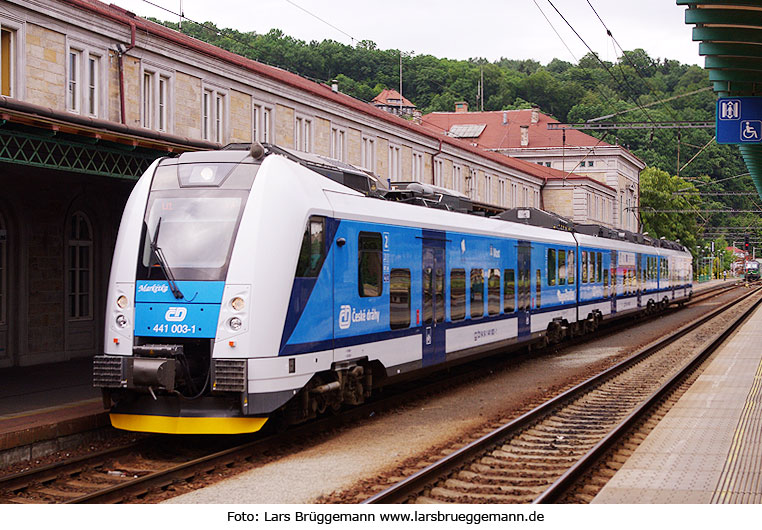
194,229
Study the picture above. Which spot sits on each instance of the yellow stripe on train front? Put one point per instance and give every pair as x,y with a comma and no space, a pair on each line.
180,425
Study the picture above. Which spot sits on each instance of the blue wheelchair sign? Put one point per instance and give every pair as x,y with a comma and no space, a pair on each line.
739,120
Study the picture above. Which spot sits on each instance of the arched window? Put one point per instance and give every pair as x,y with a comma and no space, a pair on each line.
3,270
80,267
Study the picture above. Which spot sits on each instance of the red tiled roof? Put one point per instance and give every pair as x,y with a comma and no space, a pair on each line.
386,94
497,135
145,27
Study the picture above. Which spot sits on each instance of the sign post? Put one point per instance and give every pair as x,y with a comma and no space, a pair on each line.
739,120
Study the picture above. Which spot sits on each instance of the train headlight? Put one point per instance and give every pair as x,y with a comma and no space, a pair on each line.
235,323
237,303
121,321
122,302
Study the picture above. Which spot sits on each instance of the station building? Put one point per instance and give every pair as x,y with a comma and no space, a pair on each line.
599,181
91,94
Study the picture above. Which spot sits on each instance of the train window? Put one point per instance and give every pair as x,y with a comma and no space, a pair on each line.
599,268
509,291
439,302
493,292
3,269
605,283
551,266
584,266
369,264
457,294
428,310
561,267
477,293
538,288
399,298
312,253
570,267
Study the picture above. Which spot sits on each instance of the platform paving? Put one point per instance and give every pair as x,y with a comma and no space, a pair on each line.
708,447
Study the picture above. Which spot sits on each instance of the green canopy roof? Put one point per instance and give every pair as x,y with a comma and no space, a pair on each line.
730,36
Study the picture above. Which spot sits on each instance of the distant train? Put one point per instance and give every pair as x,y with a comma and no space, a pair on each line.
751,270
256,281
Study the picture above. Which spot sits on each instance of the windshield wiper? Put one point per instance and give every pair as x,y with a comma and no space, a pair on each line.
159,253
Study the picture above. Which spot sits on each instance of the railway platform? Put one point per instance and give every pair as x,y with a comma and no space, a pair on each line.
48,408
708,448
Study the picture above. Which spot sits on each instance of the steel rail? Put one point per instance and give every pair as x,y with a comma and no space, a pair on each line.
418,481
562,484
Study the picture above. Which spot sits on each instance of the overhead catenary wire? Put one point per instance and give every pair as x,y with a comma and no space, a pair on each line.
595,55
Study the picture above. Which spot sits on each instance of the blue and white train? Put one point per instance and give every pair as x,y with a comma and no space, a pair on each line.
247,284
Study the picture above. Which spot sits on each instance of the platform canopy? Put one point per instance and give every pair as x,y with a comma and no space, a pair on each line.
730,36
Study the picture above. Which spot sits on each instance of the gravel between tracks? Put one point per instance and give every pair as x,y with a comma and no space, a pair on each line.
379,446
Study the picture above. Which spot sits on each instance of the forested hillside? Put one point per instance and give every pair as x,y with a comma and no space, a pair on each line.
633,86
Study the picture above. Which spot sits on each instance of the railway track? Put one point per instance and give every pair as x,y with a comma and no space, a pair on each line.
151,465
539,456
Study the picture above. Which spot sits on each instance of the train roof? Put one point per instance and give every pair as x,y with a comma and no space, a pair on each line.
436,197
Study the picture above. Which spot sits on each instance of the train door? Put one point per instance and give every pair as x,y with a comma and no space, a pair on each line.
524,289
433,270
613,279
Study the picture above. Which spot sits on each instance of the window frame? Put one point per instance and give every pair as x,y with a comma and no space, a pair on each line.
74,269
404,323
16,30
478,275
361,252
153,113
214,118
459,303
369,153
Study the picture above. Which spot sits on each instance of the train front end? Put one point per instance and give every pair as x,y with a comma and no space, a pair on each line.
170,304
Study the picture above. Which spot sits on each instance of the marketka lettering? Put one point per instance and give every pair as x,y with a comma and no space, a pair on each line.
155,288
348,315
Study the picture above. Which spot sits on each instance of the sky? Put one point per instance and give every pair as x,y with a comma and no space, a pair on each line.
514,29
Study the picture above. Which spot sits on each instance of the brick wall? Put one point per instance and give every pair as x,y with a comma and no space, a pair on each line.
187,106
240,117
45,67
284,126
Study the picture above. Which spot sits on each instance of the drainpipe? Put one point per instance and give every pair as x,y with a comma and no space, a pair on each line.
121,49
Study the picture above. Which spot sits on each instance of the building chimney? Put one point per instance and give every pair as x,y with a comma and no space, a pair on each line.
524,135
417,117
335,85
505,118
461,107
535,113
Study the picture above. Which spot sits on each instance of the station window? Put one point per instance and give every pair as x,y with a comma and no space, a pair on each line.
80,267
7,62
399,298
509,291
477,293
369,264
312,253
551,266
493,292
457,294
